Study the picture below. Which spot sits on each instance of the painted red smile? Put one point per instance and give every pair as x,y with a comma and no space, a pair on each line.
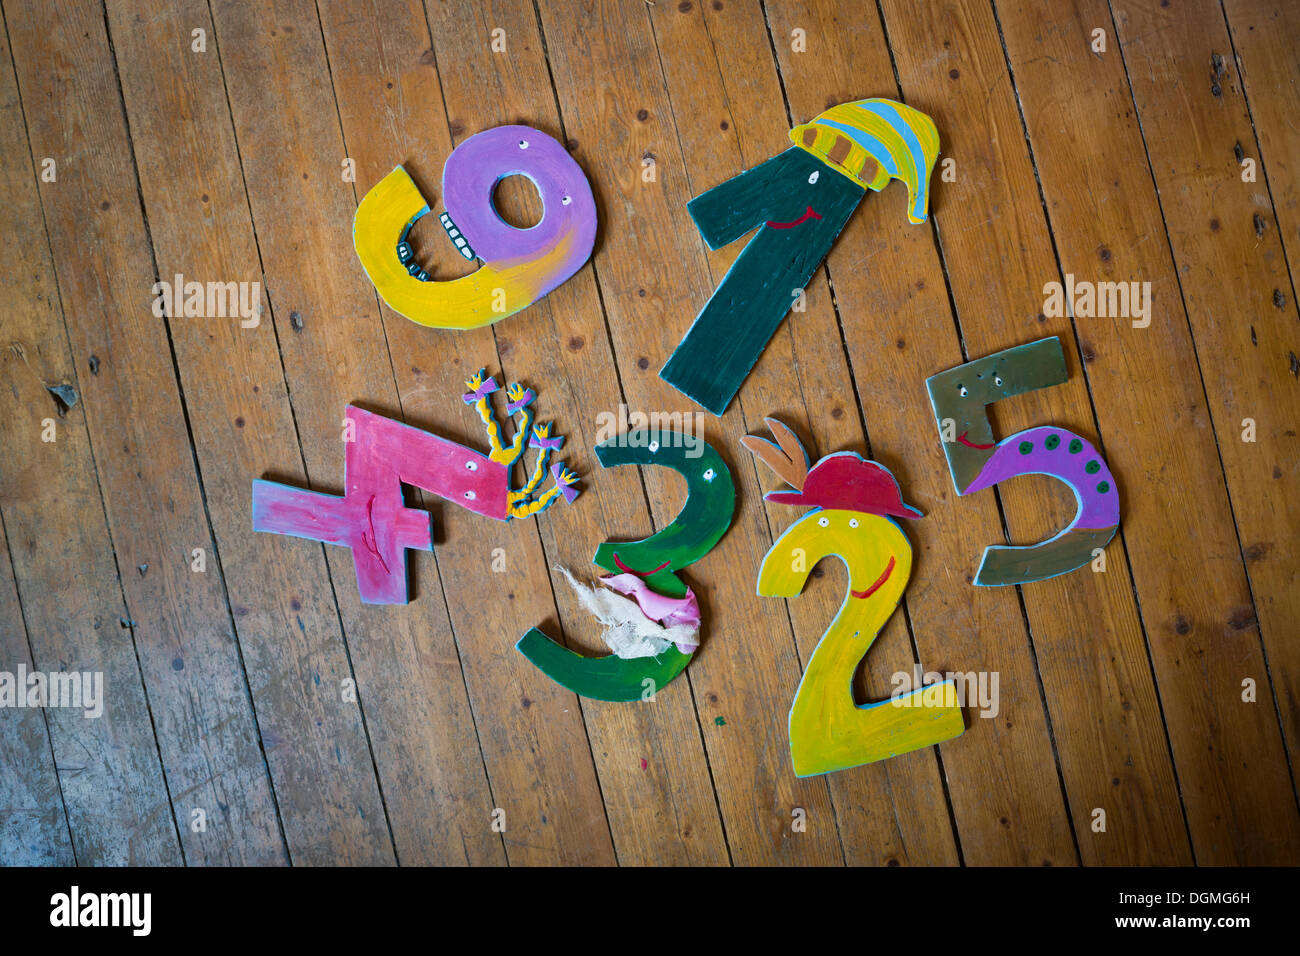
641,574
889,569
963,440
808,214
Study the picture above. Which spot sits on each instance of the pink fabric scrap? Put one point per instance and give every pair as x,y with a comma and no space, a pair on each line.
669,612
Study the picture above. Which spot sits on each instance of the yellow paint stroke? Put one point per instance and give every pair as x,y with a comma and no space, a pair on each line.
828,731
873,141
463,303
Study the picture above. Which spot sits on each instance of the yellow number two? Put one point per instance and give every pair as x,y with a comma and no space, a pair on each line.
855,502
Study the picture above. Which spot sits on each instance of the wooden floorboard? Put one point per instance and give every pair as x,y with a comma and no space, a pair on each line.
1231,271
895,810
33,820
665,812
1106,221
1263,38
1087,634
258,713
189,717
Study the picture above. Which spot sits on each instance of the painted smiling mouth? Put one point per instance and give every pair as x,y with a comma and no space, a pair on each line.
640,574
808,214
963,440
889,569
454,234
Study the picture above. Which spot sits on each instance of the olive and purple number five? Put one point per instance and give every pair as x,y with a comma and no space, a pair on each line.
960,397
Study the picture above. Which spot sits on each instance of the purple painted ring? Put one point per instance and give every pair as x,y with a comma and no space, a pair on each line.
564,237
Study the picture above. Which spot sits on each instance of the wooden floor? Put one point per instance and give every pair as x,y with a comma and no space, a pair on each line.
1127,731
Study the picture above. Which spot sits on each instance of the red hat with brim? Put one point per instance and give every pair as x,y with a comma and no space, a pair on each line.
848,482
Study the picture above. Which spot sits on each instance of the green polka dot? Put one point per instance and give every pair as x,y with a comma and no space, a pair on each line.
1026,447
1103,486
1052,442
1076,446
1092,467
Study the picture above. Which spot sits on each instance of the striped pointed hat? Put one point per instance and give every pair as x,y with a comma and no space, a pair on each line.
879,139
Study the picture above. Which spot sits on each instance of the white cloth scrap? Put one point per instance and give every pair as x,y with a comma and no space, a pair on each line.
627,631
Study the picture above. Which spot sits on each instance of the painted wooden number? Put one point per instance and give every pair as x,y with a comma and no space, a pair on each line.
381,455
961,396
703,520
799,200
855,502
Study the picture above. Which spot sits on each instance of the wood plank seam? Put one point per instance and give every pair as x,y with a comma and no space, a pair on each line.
90,446
48,750
1259,150
836,299
1185,692
384,314
740,398
1096,422
1209,404
1288,733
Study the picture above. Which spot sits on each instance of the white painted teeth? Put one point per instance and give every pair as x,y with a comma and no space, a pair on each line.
453,233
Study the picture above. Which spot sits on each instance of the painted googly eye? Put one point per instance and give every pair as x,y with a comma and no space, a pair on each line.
653,446
470,496
472,465
523,144
853,522
566,200
823,522
961,390
710,474
816,175
997,379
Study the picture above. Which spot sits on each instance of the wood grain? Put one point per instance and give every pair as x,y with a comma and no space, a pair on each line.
231,690
1264,34
665,812
33,822
192,710
1103,227
997,255
728,117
